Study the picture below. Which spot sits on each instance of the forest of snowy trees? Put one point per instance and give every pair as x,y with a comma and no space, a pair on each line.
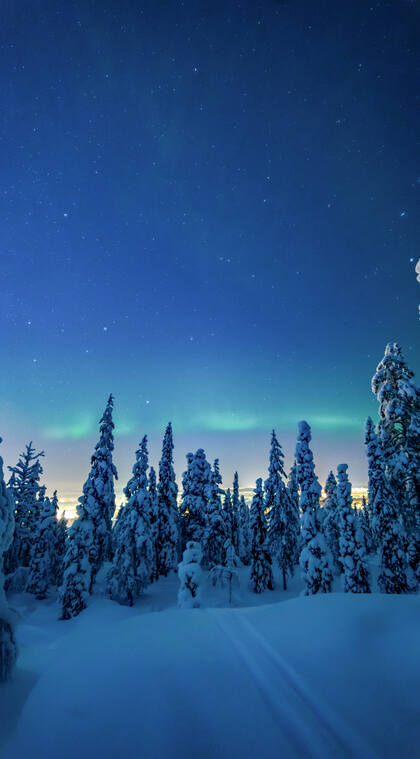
155,533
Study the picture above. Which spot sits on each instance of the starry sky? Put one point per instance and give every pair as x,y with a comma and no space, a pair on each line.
211,210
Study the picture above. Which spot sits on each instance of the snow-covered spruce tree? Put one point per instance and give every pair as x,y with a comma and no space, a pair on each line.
293,491
282,532
43,558
261,577
313,561
244,532
167,530
154,516
364,524
392,575
98,491
399,413
189,572
216,529
24,484
194,497
331,520
182,513
61,533
352,552
228,516
77,566
89,541
375,468
133,563
7,640
235,512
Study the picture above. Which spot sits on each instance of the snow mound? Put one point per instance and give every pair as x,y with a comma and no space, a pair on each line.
319,677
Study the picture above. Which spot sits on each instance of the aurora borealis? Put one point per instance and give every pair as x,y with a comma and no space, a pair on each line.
210,210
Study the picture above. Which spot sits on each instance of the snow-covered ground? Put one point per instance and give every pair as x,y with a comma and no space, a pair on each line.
275,676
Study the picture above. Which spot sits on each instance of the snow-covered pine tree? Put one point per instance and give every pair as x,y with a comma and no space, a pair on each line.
316,572
43,558
133,563
244,532
194,497
282,532
167,532
154,517
352,552
293,491
261,577
189,572
399,414
216,528
331,520
235,513
392,575
7,640
24,484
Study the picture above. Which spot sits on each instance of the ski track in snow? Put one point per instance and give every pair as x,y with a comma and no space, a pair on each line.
334,737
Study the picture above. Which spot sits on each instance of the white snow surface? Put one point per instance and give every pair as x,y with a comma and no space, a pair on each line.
279,676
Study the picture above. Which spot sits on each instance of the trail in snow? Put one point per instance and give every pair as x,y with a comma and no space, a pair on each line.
317,731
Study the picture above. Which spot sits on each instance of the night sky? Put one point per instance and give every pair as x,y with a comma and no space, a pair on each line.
211,210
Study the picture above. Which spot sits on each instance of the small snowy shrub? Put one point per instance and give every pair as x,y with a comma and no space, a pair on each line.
227,577
189,573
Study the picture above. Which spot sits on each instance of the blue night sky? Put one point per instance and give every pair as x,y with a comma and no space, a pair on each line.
211,210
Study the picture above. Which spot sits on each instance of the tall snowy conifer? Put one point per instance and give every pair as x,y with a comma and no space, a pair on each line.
282,533
133,563
61,533
228,516
235,513
314,554
24,484
392,575
261,577
42,575
77,567
98,491
89,541
194,497
375,467
331,519
7,641
399,414
293,492
154,519
216,527
167,531
352,553
364,523
244,532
